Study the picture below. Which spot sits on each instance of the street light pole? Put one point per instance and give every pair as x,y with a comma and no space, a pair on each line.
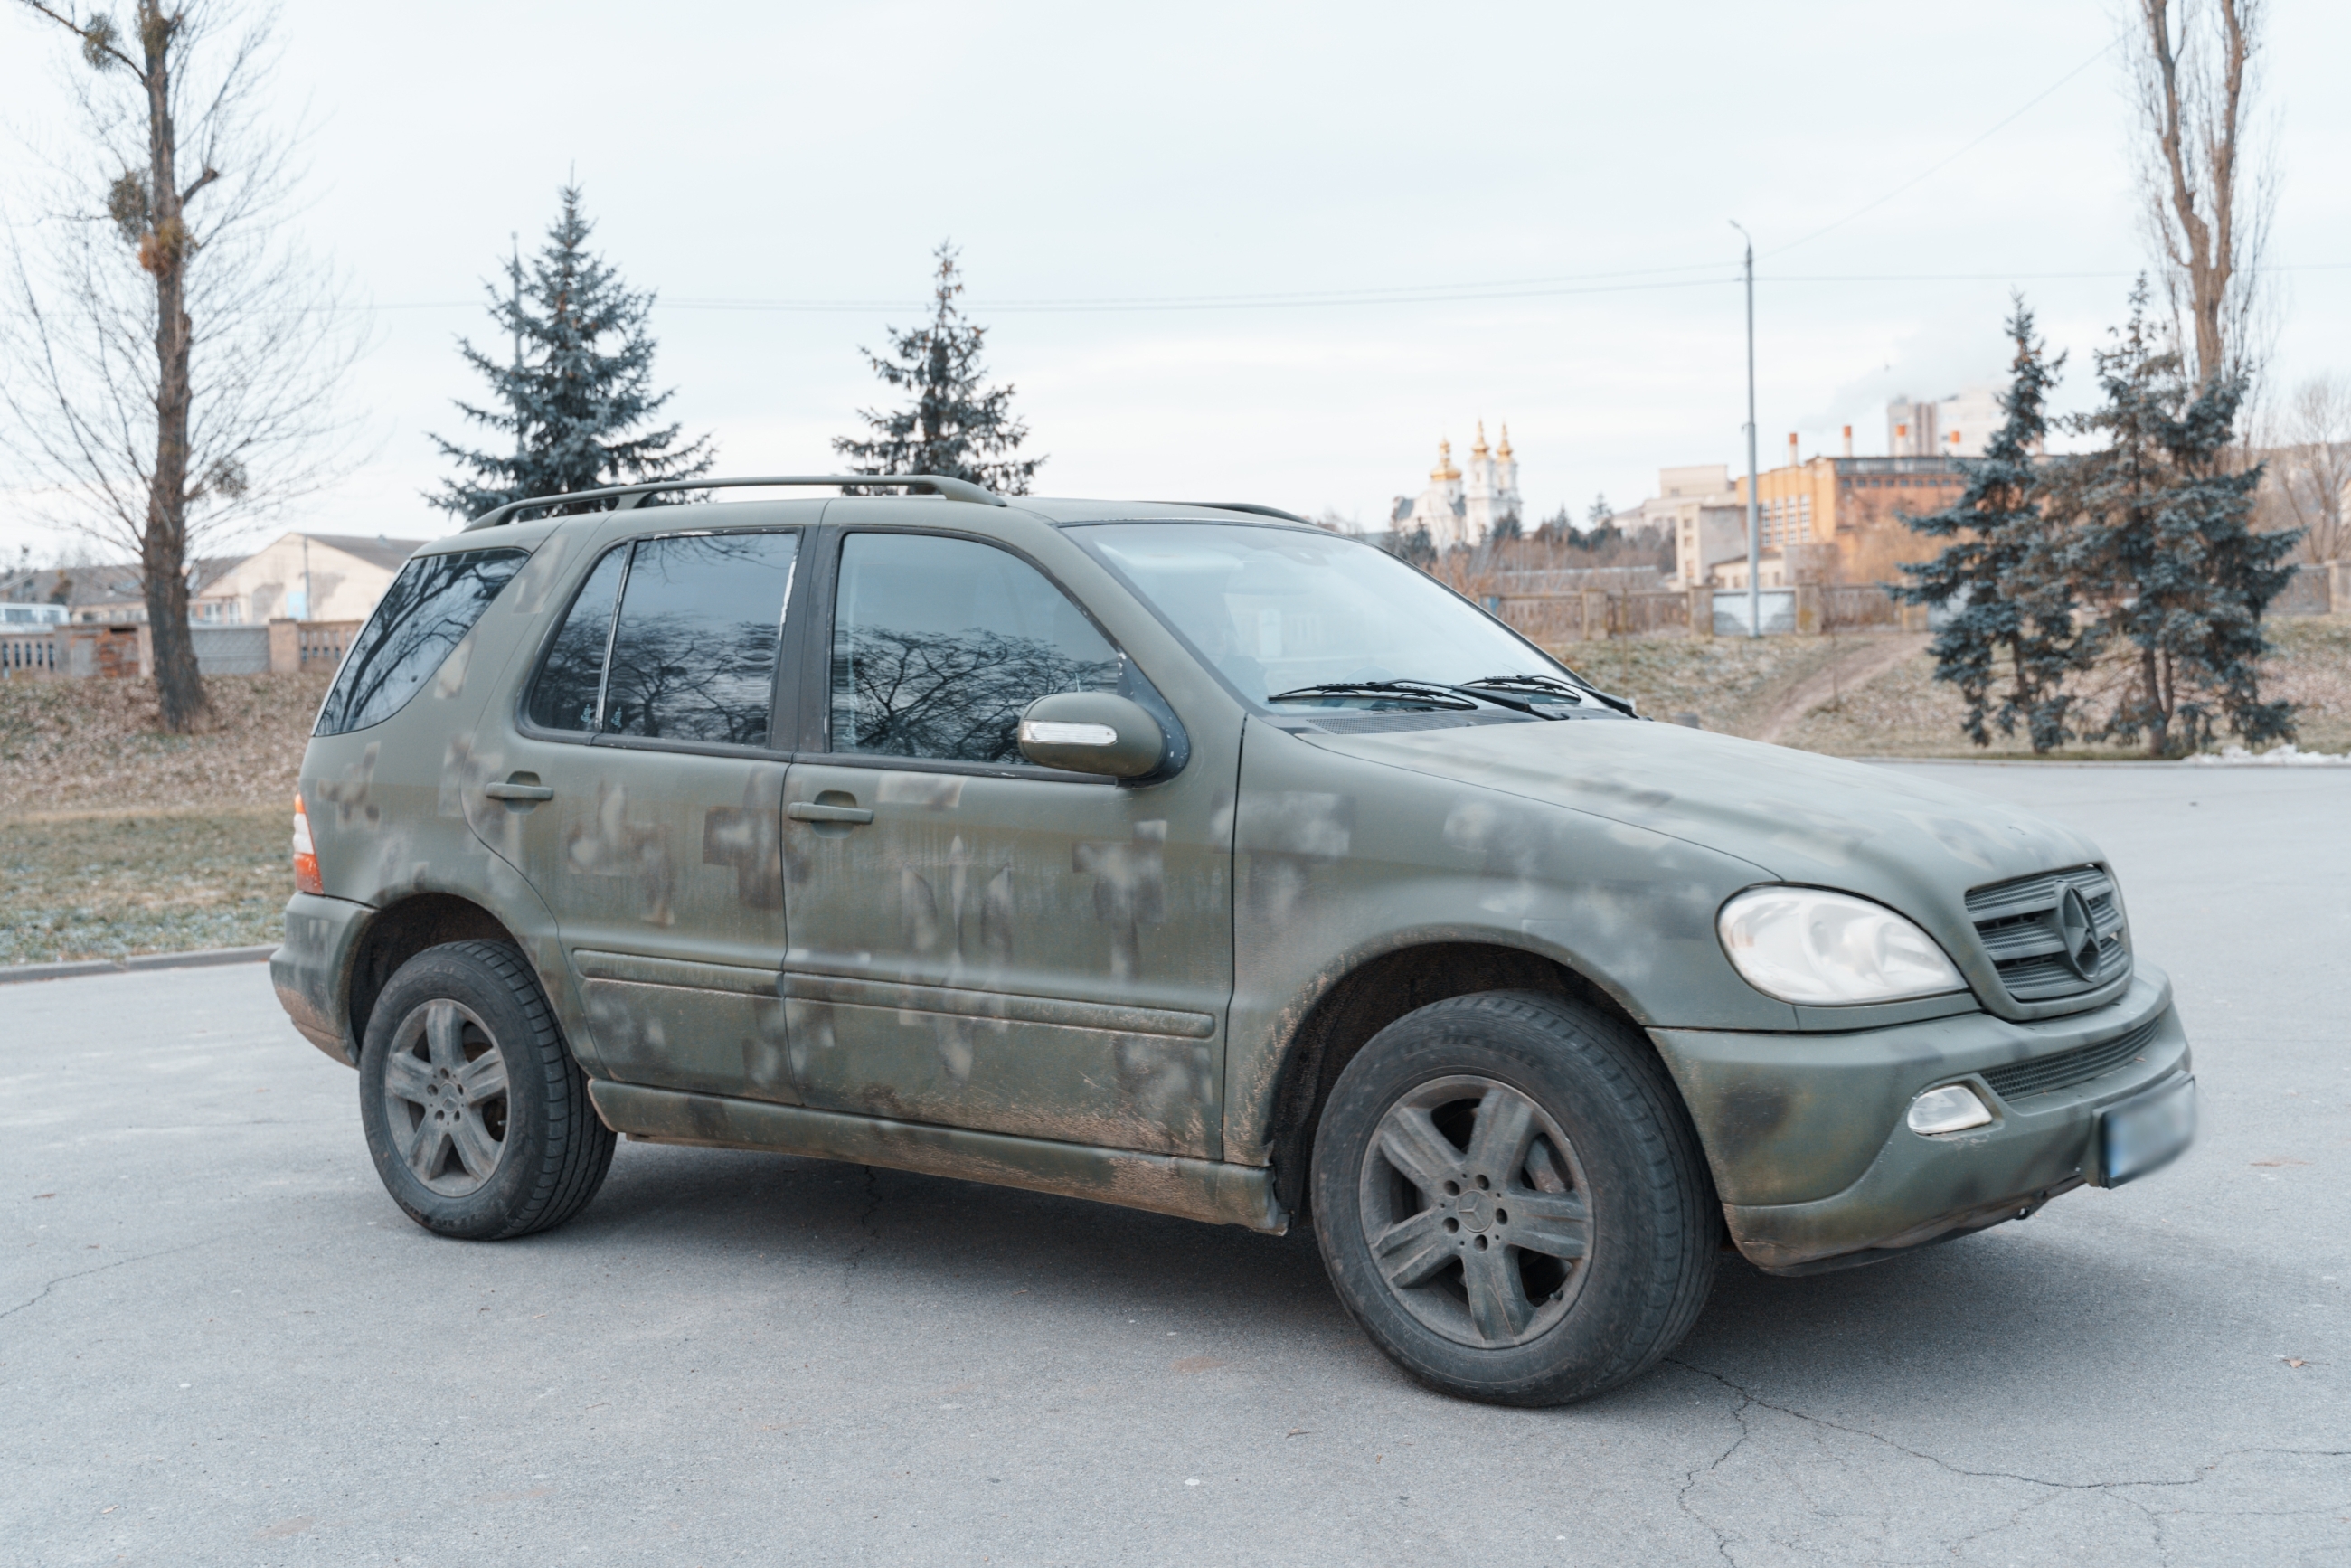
1754,510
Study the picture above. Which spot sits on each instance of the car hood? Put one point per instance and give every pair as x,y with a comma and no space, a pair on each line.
1886,833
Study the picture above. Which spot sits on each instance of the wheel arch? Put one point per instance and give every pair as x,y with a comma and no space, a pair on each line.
401,930
1374,994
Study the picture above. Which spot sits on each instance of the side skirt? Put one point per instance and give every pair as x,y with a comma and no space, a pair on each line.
1209,1190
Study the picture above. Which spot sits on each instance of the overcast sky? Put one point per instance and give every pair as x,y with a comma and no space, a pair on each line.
1080,154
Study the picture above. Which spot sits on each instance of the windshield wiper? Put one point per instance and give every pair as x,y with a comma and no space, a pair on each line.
1552,684
1429,692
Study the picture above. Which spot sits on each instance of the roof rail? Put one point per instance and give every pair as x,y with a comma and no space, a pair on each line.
1241,507
626,497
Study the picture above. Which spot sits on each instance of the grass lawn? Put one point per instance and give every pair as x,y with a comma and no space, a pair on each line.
110,885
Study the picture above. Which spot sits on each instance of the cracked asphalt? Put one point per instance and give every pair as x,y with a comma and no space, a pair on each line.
221,1343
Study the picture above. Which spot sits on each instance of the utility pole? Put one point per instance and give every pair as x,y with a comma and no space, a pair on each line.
309,611
1754,509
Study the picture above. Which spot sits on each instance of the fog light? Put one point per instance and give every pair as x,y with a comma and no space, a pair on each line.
1953,1108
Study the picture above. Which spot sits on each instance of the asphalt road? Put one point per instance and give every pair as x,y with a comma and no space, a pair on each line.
221,1343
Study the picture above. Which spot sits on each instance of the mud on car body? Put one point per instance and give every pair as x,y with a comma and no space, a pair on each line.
1193,859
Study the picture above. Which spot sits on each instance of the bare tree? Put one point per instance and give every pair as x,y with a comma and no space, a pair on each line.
2209,187
171,357
2309,462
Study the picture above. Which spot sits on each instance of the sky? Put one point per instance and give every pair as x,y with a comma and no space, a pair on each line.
1162,211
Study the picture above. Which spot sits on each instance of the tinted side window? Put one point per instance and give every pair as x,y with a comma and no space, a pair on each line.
428,608
693,654
938,643
572,677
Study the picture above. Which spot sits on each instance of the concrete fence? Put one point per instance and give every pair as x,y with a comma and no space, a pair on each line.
1807,608
127,650
1595,614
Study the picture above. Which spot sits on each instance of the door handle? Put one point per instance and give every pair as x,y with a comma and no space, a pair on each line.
511,791
809,811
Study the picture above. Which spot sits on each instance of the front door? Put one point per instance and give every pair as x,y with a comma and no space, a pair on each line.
642,784
980,943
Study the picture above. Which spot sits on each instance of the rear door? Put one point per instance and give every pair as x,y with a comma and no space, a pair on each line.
642,778
978,941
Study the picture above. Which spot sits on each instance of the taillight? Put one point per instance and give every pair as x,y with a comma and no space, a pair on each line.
305,854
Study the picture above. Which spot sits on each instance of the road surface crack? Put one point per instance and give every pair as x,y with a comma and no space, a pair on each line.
42,1294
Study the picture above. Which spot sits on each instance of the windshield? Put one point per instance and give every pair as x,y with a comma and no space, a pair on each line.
1280,609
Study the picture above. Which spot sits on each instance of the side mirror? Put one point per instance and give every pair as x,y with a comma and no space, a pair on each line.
1092,731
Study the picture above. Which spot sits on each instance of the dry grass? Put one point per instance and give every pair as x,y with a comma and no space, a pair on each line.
111,885
1731,684
1906,712
91,746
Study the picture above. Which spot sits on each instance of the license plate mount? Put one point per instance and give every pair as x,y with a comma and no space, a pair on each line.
2146,1132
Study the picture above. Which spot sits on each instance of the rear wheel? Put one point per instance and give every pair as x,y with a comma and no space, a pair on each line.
1511,1200
476,1114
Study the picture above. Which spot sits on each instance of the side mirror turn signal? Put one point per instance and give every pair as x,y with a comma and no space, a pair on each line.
1092,731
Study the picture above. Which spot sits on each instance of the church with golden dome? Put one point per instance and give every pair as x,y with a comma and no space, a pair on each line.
1460,508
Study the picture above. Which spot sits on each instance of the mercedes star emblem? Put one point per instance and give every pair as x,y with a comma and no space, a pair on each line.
2078,932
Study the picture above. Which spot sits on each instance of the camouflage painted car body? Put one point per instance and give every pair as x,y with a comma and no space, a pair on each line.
1137,992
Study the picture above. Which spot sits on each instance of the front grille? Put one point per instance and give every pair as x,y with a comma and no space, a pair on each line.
2017,922
2048,1074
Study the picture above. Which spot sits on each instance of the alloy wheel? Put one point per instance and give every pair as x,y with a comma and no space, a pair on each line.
445,1097
1476,1211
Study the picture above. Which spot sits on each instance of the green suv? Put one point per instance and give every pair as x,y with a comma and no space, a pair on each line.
1190,858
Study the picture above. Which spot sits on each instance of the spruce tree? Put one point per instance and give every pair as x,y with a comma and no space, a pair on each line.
574,410
955,426
2014,638
2164,540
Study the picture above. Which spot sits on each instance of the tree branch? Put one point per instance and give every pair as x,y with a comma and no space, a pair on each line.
82,32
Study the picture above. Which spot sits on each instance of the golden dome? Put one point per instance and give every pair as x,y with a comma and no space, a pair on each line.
1444,469
1480,450
1503,451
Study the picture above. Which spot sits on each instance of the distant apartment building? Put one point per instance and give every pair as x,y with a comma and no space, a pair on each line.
1822,519
1839,519
1956,426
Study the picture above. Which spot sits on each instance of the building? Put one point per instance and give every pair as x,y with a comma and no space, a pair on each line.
1959,425
1694,505
111,593
310,576
1458,509
1839,519
300,577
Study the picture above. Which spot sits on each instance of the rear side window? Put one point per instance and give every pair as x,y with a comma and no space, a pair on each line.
938,643
692,652
572,681
426,611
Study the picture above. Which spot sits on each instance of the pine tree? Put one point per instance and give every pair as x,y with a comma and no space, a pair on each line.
2013,637
2164,541
576,405
955,427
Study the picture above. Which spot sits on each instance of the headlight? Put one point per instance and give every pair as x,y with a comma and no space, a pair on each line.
1802,945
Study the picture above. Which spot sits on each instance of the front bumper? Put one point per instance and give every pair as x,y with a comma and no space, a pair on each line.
313,971
1813,1163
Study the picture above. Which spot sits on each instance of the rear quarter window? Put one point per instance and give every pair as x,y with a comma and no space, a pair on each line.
426,611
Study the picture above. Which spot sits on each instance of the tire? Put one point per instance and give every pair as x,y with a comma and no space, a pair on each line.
476,1116
1512,1201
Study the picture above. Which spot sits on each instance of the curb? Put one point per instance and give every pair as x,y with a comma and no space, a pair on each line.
11,973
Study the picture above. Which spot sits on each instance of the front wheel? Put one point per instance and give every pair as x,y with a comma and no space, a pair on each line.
1512,1201
476,1114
